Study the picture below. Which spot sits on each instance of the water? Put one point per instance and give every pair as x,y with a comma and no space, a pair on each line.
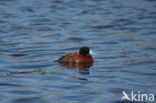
35,33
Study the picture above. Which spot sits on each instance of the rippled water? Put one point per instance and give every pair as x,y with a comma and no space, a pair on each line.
35,33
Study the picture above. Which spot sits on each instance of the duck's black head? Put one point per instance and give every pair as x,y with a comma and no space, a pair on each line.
84,51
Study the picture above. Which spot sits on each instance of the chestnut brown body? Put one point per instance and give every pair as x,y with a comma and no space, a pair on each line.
76,58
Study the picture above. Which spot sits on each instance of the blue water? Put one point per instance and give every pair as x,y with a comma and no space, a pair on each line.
35,33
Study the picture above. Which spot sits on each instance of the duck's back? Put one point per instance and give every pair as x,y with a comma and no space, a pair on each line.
71,57
76,57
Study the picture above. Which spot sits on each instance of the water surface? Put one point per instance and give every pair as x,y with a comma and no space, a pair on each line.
35,33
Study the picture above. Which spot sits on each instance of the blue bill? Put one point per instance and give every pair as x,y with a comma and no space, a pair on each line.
92,53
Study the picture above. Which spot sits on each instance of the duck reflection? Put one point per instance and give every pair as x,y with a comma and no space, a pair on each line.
84,71
71,65
83,67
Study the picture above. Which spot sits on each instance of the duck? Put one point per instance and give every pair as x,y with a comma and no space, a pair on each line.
82,57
